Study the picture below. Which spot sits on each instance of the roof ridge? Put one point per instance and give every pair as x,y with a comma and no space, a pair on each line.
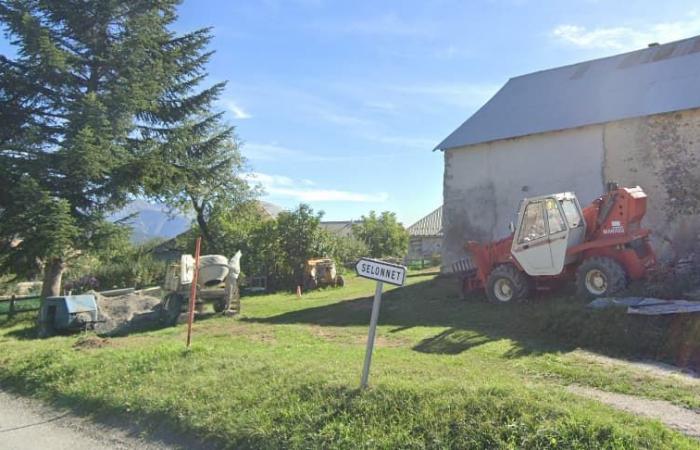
603,58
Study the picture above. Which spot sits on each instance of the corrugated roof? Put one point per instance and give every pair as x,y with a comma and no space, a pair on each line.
430,225
654,80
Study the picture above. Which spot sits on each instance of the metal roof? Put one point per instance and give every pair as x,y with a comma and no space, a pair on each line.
430,225
653,80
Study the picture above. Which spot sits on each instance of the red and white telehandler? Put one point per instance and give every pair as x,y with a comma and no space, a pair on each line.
602,247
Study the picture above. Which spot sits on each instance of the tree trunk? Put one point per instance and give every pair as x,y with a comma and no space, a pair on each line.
51,287
202,222
53,274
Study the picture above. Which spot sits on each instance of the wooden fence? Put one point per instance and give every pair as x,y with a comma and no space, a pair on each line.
19,304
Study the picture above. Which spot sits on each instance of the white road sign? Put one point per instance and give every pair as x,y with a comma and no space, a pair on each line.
381,271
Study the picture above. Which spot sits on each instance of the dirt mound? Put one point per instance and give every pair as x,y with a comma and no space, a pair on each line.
89,342
124,313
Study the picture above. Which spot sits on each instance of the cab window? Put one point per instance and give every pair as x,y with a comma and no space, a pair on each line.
573,216
532,226
554,218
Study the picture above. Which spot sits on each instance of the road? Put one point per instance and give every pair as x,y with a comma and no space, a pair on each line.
29,424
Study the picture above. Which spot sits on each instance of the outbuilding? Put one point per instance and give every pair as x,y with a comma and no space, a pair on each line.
632,118
425,238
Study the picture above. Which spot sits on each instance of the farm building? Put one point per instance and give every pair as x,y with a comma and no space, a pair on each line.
341,228
632,118
425,237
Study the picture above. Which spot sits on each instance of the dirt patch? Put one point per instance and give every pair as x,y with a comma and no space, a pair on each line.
340,336
90,342
125,313
253,333
684,420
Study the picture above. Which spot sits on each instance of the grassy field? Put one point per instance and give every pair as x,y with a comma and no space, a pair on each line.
446,373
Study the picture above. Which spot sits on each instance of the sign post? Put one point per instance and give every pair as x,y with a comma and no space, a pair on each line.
193,291
382,272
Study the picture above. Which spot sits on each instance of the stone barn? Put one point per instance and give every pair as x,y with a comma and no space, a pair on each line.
632,118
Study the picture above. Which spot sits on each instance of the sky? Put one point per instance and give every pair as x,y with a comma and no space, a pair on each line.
339,104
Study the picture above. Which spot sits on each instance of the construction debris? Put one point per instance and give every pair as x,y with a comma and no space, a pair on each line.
125,313
646,306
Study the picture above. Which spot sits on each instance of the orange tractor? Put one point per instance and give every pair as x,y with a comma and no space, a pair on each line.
602,247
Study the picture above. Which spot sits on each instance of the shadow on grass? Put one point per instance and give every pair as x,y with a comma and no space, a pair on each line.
547,324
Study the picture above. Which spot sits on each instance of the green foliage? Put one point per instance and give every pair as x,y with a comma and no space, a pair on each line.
347,249
383,235
102,102
41,225
301,238
117,264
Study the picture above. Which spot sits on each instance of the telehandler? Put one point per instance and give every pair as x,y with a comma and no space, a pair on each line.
601,247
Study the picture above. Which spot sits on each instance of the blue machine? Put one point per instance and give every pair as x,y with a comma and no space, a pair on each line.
68,312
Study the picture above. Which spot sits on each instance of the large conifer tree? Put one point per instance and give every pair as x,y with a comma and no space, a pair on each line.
99,102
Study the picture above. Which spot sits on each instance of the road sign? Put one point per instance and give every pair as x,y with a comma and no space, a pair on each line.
381,271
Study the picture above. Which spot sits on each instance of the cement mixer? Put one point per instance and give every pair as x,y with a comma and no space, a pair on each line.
217,284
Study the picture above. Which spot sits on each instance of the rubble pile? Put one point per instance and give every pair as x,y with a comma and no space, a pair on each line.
124,313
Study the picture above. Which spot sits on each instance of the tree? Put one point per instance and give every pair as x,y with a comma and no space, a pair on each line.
98,91
199,163
301,238
383,235
348,249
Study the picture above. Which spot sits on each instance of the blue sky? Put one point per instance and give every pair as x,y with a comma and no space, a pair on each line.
339,103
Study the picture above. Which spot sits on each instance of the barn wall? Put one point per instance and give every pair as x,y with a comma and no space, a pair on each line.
484,184
424,247
661,153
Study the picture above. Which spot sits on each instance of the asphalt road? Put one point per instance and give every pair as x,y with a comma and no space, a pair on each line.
29,424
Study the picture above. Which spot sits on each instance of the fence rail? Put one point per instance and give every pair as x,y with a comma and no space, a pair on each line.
15,305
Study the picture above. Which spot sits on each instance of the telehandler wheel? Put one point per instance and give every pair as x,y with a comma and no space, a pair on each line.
506,284
340,281
599,276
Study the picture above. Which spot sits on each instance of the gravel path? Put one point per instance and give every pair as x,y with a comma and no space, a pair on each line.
682,419
29,424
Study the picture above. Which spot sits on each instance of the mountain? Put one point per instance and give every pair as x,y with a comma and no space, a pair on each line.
151,221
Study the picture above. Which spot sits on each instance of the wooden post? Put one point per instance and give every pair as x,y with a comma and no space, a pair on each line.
193,291
11,313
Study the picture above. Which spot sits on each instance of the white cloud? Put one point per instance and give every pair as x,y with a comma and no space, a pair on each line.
303,190
237,110
627,38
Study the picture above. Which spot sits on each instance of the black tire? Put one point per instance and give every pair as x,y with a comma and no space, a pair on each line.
221,305
172,308
599,276
340,281
506,284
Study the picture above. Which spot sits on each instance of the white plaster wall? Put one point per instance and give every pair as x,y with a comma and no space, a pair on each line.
484,184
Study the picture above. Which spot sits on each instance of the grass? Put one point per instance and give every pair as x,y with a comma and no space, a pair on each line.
445,373
19,305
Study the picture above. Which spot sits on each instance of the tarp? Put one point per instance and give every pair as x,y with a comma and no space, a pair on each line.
646,306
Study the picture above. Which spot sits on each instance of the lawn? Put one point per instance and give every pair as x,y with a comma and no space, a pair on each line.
446,373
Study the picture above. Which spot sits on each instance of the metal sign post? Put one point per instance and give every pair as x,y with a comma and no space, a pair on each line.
382,272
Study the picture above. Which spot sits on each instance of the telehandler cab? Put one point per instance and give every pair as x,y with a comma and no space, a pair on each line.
602,247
